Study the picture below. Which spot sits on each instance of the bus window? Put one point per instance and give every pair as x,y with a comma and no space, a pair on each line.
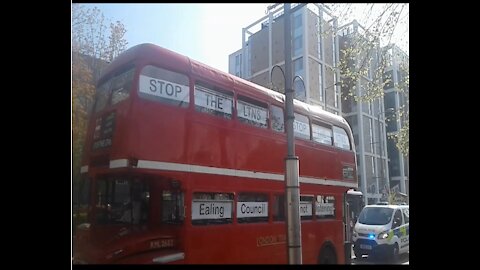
172,207
322,134
122,201
340,138
306,204
121,86
277,118
279,207
212,208
216,102
252,112
325,207
103,93
158,84
301,126
252,207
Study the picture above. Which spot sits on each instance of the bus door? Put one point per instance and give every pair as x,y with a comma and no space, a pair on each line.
142,209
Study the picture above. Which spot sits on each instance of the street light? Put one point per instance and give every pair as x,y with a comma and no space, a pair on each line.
294,78
294,244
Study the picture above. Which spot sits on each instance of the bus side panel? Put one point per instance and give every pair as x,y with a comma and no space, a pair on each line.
259,150
210,142
162,138
318,162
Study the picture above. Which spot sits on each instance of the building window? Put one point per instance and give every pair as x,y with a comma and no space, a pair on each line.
388,79
300,91
370,132
297,33
297,45
318,30
394,158
320,81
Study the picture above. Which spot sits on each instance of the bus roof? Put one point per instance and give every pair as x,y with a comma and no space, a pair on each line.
178,62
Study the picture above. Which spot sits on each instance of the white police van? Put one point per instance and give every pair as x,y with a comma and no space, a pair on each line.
382,230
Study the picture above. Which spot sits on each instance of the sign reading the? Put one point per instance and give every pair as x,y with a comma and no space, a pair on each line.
213,100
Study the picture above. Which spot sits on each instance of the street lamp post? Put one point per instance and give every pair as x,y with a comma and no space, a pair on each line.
292,185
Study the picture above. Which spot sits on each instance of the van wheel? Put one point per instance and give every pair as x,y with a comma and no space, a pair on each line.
359,254
395,252
327,256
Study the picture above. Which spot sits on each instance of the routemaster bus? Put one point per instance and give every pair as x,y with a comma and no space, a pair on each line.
185,164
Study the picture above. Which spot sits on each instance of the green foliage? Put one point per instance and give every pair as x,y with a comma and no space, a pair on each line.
362,60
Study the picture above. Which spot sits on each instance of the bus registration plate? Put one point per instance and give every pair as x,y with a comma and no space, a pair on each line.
366,247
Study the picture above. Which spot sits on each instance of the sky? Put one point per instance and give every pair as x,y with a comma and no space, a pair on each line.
205,32
208,33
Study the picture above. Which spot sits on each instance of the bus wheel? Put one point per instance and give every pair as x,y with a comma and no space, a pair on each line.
327,256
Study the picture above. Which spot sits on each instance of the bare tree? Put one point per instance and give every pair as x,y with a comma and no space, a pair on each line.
117,42
92,47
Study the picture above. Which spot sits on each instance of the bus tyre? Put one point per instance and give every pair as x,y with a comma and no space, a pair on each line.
395,252
327,256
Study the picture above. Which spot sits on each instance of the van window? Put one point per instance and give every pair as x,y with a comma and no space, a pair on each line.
375,215
406,216
397,219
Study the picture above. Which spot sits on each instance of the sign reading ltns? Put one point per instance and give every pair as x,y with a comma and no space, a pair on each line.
164,89
253,113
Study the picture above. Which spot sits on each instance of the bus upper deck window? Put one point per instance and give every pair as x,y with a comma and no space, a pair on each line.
164,86
103,92
340,138
121,86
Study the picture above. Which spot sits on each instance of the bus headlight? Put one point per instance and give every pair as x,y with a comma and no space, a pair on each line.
382,235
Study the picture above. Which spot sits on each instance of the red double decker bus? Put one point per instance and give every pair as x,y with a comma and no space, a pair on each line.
186,165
